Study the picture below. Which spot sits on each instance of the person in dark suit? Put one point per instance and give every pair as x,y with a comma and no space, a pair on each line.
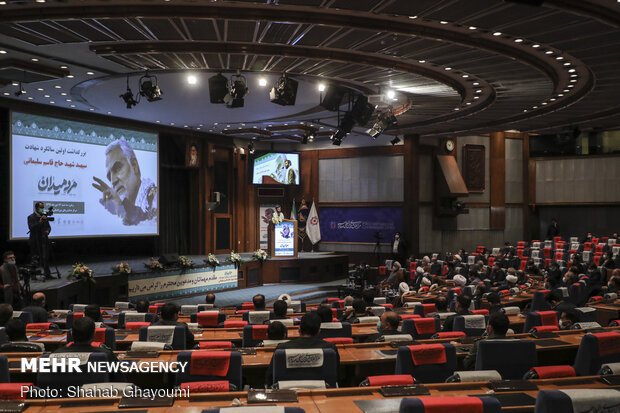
462,308
169,316
387,325
554,229
309,328
10,281
39,228
496,330
37,308
399,248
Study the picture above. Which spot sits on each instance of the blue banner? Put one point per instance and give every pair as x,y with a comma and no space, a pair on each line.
360,224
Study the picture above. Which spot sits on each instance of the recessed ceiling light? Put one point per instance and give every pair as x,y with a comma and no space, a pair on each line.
534,107
34,59
544,103
91,109
172,123
468,103
465,76
51,101
553,99
566,91
109,113
443,22
72,106
448,68
14,83
536,46
497,34
29,97
476,83
192,79
573,75
571,70
472,27
457,109
570,86
321,87
415,17
566,63
67,100
58,87
185,126
157,121
6,93
476,97
549,52
3,51
46,96
390,94
524,110
573,81
560,94
421,61
40,88
262,82
518,40
559,58
479,91
89,73
40,1
63,67
70,76
63,94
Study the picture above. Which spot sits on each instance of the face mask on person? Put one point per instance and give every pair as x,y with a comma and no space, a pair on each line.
41,211
12,262
379,325
564,324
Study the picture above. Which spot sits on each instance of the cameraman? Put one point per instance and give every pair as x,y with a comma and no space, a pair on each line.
39,227
10,281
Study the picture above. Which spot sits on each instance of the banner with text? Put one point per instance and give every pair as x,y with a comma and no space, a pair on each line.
284,239
360,224
175,283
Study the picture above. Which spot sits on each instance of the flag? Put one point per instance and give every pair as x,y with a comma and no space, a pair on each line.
293,212
312,227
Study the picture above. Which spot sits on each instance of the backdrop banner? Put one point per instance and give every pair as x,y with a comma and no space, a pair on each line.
176,283
360,224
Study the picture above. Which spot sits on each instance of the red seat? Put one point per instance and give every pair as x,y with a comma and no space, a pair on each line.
559,256
206,386
491,261
587,246
547,252
553,372
390,380
207,345
599,249
339,340
382,270
38,326
521,244
557,239
482,311
135,325
597,260
13,391
520,252
522,265
234,323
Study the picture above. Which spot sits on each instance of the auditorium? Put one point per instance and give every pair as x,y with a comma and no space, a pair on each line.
310,206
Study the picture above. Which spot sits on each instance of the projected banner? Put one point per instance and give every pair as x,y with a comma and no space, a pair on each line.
100,180
359,224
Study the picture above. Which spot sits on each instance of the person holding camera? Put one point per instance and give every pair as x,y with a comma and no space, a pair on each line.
39,226
10,281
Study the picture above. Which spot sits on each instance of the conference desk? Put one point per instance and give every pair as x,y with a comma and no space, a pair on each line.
330,400
606,312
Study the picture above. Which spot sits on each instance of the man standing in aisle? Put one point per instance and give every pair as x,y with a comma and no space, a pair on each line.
39,228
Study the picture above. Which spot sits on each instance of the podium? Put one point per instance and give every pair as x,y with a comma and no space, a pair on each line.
282,239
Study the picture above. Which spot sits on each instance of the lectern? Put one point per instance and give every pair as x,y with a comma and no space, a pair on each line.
283,239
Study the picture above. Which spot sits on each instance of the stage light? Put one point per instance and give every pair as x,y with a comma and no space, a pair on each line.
362,110
20,91
390,94
149,88
128,97
384,121
284,92
332,98
251,147
192,79
395,140
345,126
237,90
321,87
262,82
307,138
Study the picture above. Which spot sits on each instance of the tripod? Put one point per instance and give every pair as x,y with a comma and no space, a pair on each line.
52,258
377,249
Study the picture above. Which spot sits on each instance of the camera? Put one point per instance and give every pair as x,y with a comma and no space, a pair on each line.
49,213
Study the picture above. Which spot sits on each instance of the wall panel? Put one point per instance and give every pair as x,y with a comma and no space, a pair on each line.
476,140
514,171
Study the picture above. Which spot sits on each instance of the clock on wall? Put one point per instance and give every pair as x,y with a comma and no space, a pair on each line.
449,145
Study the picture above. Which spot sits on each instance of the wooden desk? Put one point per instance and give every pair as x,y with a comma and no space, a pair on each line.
605,312
313,401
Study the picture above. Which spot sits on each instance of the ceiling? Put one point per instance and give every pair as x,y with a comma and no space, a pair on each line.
456,66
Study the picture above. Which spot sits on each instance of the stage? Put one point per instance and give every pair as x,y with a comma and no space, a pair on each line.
175,283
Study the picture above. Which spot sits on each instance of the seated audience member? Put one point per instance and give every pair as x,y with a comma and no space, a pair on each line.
496,329
277,331
210,299
94,312
568,318
279,309
286,298
510,281
462,308
531,268
143,306
494,301
613,285
403,293
395,276
369,297
557,303
259,302
474,277
608,262
169,316
18,341
83,332
309,328
352,315
348,301
554,272
6,313
387,325
325,313
441,303
459,280
37,308
497,274
570,278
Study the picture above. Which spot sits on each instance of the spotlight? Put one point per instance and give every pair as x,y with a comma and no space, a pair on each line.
391,94
321,87
192,79
332,98
149,88
384,121
237,90
307,138
20,91
395,140
128,97
345,126
251,147
284,92
362,110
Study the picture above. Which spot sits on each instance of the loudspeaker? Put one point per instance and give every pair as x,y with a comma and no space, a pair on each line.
170,258
218,88
333,97
362,110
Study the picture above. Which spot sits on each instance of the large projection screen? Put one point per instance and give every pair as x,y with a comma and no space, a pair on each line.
100,180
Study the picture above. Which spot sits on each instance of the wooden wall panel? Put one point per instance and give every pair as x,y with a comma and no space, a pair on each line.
498,181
